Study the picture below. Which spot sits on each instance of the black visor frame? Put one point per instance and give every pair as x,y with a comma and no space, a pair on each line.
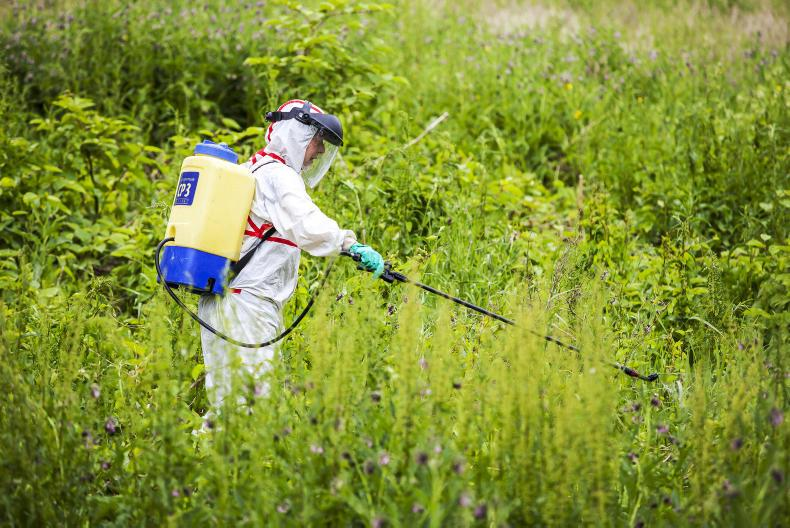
328,125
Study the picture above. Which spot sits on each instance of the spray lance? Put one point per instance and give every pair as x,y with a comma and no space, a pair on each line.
201,249
390,276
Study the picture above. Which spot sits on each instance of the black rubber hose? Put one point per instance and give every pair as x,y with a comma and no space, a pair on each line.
216,332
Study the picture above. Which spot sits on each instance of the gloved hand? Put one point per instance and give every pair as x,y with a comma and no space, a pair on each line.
370,258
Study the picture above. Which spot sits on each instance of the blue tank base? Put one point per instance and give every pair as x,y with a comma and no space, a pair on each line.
194,270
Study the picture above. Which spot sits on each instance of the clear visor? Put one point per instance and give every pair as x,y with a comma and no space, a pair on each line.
315,171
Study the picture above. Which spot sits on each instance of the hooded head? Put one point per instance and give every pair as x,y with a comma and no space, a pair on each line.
291,133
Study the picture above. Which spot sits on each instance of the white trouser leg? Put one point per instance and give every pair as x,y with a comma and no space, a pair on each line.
245,318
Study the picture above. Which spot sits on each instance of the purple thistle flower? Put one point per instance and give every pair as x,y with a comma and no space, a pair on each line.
632,457
422,458
284,507
423,363
375,396
777,417
662,429
105,465
417,508
110,426
655,402
777,475
317,449
458,467
378,522
736,444
175,493
384,459
369,467
95,392
456,385
481,511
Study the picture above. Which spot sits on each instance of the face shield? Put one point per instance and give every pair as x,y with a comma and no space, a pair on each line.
322,147
317,166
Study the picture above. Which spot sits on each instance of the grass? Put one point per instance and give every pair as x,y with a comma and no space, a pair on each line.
610,173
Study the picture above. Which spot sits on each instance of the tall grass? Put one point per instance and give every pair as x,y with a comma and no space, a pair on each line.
410,417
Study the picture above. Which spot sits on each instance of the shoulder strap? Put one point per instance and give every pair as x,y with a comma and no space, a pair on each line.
236,267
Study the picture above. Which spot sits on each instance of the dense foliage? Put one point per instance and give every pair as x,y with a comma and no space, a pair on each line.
623,186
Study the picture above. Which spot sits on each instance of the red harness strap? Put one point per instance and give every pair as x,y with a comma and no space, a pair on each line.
258,232
262,153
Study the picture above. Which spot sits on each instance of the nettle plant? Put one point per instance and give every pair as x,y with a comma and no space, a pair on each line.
73,199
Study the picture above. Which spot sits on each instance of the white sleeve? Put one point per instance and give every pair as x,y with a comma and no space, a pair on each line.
295,216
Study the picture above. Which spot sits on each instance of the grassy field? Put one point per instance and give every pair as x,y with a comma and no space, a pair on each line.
615,174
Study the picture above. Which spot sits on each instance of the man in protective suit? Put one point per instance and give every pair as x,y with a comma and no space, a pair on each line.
301,144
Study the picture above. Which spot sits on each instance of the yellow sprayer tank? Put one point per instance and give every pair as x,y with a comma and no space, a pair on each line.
208,218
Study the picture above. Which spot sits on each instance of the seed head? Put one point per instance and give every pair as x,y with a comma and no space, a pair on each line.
464,500
87,438
729,490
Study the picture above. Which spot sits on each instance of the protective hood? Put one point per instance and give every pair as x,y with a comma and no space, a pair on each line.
289,139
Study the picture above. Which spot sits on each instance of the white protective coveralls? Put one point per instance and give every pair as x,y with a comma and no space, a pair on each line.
251,311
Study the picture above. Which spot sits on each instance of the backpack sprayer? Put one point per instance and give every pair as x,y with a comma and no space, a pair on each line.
206,227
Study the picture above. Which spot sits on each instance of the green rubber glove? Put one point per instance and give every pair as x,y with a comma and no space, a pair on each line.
370,258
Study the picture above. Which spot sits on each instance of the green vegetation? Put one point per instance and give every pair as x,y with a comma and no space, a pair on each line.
612,173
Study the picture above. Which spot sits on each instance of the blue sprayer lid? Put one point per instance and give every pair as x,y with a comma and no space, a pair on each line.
221,151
